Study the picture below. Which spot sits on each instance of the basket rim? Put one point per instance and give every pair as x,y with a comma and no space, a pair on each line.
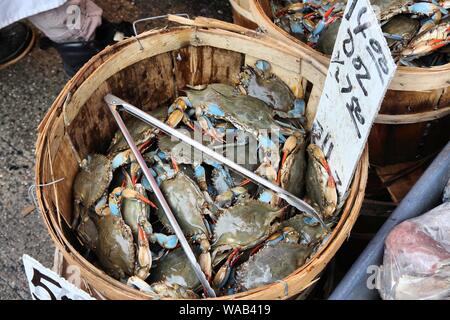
401,73
319,259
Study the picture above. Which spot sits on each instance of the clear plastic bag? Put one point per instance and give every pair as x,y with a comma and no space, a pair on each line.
416,262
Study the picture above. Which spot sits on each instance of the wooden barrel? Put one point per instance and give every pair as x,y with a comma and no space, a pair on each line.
414,119
80,123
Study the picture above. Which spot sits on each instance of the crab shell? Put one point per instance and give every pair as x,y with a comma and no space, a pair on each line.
116,250
270,264
245,224
136,213
139,130
422,44
87,228
310,230
268,88
292,176
244,112
92,180
176,269
187,203
328,37
320,186
173,291
402,25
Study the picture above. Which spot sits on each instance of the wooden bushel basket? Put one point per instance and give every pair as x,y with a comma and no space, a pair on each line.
414,119
80,123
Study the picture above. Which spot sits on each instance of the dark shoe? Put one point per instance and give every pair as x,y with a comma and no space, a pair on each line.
76,54
16,40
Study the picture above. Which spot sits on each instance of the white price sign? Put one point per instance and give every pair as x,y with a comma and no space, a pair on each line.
47,285
360,71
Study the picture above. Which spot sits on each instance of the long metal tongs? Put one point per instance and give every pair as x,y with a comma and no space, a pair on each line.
115,102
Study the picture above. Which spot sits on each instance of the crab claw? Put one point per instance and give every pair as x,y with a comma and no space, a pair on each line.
244,182
328,13
206,264
144,256
288,147
209,129
165,241
115,199
223,274
205,256
177,111
200,175
122,158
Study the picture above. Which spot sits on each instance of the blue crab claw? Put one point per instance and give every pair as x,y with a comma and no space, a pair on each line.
427,24
181,103
223,274
428,9
165,241
122,158
100,205
299,109
146,184
115,199
266,196
275,238
392,36
207,126
144,256
177,112
297,27
200,175
319,28
263,66
215,110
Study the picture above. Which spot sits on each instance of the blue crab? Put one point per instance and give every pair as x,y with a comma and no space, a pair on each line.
309,229
320,184
270,264
240,227
428,41
190,206
161,290
260,83
218,103
175,268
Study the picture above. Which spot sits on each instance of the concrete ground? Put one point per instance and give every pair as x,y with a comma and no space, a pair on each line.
27,90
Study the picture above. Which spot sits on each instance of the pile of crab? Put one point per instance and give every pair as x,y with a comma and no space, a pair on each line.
244,236
417,32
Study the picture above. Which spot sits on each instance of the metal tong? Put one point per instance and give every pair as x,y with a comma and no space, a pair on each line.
113,103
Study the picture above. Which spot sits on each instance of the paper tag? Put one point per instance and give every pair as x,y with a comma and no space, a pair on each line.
47,285
361,69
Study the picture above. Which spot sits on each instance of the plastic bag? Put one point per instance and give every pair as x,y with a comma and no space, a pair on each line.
416,262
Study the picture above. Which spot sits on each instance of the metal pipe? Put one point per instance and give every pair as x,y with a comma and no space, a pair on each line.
425,195
173,222
289,197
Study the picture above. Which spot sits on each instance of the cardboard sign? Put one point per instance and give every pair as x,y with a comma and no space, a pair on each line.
361,69
47,285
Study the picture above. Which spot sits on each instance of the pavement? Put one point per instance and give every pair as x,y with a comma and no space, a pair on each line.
27,90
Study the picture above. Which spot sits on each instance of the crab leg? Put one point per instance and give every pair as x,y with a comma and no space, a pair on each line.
144,255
